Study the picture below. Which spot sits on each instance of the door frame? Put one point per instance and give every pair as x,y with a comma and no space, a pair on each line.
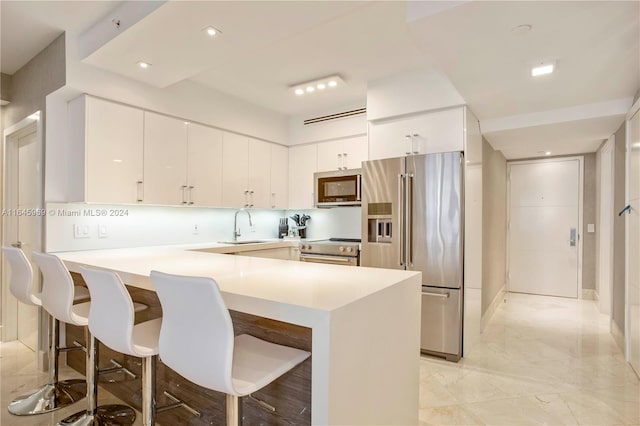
635,108
610,146
9,305
580,159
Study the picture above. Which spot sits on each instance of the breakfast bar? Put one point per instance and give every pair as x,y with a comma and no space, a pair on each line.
363,323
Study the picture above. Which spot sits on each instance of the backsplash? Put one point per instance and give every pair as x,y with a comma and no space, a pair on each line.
79,226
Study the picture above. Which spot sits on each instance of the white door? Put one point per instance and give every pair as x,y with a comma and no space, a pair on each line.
279,177
356,150
235,170
605,262
633,243
544,225
23,230
165,160
204,166
330,156
302,166
259,177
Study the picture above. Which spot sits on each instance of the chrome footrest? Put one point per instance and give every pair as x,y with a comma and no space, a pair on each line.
178,403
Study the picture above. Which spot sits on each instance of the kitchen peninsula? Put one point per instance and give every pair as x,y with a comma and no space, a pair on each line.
363,323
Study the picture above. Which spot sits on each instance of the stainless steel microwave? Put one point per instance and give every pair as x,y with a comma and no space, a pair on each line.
338,188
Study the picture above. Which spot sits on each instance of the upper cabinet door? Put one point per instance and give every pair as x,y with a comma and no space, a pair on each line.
113,150
330,156
302,166
259,174
440,131
165,160
355,151
204,166
279,177
235,170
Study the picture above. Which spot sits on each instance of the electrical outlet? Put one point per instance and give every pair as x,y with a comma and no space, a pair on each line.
102,231
195,230
81,231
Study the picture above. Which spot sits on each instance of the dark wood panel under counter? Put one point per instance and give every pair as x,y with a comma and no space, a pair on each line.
291,394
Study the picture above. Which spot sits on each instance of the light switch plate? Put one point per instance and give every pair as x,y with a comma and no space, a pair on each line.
102,231
591,227
81,231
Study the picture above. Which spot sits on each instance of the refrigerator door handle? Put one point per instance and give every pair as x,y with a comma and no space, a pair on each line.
401,185
440,295
408,197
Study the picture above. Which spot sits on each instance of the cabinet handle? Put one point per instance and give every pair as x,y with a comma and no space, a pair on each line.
413,138
340,162
184,195
273,200
409,142
140,190
191,195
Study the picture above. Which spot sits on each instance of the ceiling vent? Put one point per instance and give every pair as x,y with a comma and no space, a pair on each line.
337,116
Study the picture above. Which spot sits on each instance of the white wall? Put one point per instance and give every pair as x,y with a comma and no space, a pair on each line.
341,222
150,225
409,93
327,130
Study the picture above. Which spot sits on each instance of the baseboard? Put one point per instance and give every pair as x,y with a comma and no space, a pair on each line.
589,294
618,336
493,307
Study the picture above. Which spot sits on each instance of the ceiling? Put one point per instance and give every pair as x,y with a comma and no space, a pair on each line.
266,47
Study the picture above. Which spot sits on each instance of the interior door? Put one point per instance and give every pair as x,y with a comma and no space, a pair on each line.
633,243
22,230
543,229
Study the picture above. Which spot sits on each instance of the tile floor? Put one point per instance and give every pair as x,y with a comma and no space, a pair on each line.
541,360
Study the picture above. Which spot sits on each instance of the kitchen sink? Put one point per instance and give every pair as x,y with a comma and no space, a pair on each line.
243,242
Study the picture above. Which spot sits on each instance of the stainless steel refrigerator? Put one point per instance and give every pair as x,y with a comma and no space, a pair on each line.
412,218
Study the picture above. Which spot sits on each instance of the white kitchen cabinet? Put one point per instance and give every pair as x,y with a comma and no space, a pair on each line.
259,177
302,166
235,170
204,166
246,178
111,135
165,160
342,154
439,131
279,177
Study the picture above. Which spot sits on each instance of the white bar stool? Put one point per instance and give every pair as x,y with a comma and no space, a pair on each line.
56,394
197,341
111,321
57,298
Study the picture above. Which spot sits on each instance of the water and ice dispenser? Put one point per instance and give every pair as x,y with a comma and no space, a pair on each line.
380,223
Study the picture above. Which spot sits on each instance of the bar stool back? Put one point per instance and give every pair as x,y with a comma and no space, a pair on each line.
57,298
111,320
197,341
55,394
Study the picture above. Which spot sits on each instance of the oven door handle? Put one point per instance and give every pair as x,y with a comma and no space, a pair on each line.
326,259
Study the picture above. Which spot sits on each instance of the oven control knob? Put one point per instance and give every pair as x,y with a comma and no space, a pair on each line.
303,246
349,249
341,249
309,247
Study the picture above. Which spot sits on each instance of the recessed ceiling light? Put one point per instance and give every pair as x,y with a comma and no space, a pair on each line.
547,153
144,65
212,31
318,84
543,69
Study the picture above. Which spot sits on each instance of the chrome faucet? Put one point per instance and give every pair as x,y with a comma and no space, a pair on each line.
236,230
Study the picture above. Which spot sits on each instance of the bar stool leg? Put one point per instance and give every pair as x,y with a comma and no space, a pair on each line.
95,415
234,410
53,395
148,391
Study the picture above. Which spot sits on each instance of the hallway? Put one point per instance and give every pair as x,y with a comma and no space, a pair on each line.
541,360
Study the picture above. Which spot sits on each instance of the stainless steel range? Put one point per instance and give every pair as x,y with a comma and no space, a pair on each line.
336,251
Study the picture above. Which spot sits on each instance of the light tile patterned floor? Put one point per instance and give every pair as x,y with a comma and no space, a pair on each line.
541,360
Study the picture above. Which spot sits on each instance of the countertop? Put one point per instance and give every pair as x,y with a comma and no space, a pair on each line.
306,285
